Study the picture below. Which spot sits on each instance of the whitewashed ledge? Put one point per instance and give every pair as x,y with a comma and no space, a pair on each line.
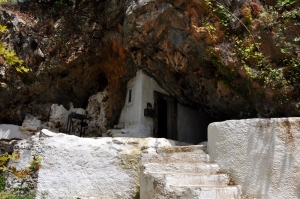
9,132
87,167
262,155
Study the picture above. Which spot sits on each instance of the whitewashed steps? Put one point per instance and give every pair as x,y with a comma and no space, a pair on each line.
180,149
188,157
189,179
183,172
216,192
203,168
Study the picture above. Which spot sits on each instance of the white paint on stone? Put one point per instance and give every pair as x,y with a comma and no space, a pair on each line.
136,130
9,131
183,172
262,155
87,168
132,116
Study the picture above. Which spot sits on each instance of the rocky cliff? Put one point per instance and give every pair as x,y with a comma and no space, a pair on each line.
233,59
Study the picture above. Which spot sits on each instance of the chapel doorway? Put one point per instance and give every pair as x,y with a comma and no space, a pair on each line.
165,121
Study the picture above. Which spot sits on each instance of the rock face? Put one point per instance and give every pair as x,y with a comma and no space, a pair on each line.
77,75
87,167
262,155
204,53
183,172
96,110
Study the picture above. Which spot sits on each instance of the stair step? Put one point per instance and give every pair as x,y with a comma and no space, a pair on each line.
184,172
202,168
188,179
180,149
207,192
186,157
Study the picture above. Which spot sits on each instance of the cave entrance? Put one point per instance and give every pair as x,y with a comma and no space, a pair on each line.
165,121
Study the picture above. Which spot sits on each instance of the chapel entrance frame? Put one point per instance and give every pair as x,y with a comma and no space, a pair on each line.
171,108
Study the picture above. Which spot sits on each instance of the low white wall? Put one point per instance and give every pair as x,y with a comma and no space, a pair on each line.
87,168
262,155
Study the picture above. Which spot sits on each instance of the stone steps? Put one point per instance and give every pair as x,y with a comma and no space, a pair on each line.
180,149
188,179
203,168
188,157
183,172
209,192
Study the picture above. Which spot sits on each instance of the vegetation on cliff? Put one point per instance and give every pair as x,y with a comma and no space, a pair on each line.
260,48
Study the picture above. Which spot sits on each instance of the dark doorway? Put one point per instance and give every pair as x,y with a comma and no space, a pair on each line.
165,121
162,118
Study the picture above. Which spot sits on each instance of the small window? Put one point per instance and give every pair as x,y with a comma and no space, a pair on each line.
129,95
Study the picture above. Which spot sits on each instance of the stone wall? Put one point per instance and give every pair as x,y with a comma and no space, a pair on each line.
262,155
86,167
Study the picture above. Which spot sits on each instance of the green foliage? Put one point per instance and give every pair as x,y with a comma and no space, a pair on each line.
3,29
279,21
248,52
8,1
10,56
34,165
297,39
2,183
11,195
291,14
284,3
223,14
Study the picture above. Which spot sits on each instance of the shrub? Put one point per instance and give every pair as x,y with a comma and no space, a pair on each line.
34,165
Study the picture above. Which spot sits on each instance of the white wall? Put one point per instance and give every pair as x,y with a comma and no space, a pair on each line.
262,155
130,112
148,87
192,124
143,88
